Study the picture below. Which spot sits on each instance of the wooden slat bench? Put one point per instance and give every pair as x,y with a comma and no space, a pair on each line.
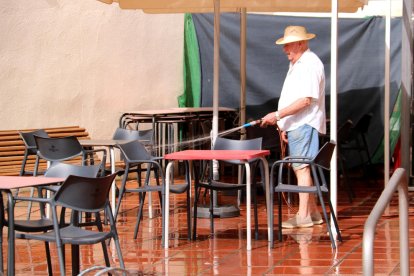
12,148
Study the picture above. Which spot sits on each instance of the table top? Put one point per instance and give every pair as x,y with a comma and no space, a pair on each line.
216,154
15,182
178,110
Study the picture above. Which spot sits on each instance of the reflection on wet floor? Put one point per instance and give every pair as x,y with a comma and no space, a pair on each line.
305,251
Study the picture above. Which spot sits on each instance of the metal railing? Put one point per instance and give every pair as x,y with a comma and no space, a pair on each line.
398,181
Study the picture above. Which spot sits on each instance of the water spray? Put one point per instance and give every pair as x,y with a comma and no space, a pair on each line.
252,123
210,137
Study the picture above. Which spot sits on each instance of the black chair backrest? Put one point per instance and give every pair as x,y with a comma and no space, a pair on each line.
324,156
130,134
29,140
344,132
363,124
58,149
63,170
85,194
230,144
134,150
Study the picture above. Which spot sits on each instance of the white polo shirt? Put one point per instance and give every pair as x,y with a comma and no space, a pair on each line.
305,78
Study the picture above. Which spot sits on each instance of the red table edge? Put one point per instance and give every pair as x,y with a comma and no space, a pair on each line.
216,154
13,182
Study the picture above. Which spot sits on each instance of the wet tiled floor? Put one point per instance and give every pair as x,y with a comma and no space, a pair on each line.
305,251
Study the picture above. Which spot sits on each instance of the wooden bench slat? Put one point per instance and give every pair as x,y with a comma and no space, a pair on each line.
50,129
12,148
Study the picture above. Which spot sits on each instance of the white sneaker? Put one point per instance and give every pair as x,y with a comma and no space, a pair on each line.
297,222
316,218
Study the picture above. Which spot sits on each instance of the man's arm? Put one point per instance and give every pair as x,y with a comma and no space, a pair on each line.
295,107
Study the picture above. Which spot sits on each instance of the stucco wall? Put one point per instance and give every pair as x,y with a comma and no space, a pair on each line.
82,62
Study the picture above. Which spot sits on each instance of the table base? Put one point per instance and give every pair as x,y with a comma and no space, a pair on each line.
220,211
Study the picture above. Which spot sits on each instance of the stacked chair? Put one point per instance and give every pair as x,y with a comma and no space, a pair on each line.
31,149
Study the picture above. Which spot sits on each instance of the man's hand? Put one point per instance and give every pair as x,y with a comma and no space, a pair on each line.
269,119
284,137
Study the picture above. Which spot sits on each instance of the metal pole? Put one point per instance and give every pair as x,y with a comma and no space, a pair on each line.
216,79
406,82
243,24
387,93
334,95
397,181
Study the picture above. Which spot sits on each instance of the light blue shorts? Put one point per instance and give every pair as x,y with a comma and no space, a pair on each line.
303,141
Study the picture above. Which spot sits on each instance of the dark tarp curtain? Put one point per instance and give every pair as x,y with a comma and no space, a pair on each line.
360,64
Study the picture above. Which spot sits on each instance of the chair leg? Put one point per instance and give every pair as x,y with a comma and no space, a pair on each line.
76,257
61,254
364,140
164,239
211,214
188,215
271,220
335,221
29,206
36,166
349,189
368,170
48,258
139,215
1,247
139,173
157,180
256,220
22,169
188,182
196,196
121,193
119,252
35,171
328,224
105,253
280,216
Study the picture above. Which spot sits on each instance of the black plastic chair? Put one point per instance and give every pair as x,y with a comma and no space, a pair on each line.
80,194
65,148
144,136
43,224
131,134
215,185
30,149
135,155
63,170
358,141
344,134
317,164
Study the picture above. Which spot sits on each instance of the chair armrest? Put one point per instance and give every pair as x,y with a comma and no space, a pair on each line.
290,161
33,199
104,152
297,158
92,151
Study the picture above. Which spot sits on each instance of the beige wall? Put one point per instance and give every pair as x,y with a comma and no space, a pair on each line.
82,62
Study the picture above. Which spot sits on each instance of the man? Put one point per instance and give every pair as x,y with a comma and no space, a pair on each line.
301,115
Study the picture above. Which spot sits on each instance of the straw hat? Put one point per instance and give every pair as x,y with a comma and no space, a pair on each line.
293,34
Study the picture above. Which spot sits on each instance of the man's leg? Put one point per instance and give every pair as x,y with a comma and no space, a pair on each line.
306,201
